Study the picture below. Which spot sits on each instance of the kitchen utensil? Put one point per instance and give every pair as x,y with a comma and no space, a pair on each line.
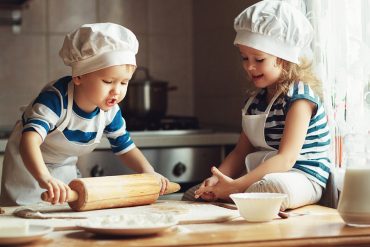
281,214
129,224
146,98
28,213
114,191
33,233
258,207
137,231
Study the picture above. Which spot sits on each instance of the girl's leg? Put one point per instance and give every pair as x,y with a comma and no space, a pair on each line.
300,189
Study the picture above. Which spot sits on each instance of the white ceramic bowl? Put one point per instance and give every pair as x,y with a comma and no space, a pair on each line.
258,207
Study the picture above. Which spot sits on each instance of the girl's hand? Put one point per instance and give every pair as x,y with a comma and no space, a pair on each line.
164,182
207,196
57,190
222,189
213,180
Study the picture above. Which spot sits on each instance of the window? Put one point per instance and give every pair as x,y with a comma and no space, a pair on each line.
342,60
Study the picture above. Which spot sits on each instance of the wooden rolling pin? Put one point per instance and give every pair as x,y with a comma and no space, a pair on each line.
114,191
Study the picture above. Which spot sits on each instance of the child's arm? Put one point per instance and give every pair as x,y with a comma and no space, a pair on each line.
32,158
234,163
137,161
295,130
232,166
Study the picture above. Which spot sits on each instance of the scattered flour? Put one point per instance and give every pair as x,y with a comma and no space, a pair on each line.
132,221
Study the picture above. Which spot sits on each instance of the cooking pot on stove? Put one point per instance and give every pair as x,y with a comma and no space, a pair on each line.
146,97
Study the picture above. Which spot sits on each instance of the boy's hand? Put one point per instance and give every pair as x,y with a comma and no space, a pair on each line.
164,182
57,190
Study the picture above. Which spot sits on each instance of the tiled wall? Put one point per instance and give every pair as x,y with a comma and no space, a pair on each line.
219,80
30,59
185,42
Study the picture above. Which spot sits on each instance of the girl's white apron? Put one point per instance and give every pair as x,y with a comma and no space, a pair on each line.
254,128
59,154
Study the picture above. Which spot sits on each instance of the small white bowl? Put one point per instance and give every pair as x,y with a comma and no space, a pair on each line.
258,207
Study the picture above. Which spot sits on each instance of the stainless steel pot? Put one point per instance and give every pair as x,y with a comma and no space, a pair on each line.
146,98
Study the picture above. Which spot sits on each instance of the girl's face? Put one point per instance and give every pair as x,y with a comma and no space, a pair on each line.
102,88
262,68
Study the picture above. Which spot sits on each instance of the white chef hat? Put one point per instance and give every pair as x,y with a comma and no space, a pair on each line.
274,27
96,46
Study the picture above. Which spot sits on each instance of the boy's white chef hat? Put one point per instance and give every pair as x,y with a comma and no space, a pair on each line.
96,46
274,27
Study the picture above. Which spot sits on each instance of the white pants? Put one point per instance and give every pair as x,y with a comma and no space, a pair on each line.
300,190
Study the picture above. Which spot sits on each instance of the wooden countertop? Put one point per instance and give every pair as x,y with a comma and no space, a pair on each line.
319,226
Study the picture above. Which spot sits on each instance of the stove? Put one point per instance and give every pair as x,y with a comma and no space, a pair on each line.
178,132
178,161
170,122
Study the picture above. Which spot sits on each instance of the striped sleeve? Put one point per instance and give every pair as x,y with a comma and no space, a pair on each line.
119,138
301,90
43,114
313,161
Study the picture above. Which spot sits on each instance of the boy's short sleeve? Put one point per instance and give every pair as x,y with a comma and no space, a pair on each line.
119,138
43,114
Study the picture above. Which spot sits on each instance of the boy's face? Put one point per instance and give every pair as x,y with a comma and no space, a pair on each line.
262,68
102,88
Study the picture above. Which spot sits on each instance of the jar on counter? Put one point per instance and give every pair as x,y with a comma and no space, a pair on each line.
354,200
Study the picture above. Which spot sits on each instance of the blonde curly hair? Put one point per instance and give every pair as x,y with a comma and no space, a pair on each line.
292,72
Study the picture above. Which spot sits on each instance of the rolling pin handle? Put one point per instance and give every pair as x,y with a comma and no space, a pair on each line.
172,188
72,196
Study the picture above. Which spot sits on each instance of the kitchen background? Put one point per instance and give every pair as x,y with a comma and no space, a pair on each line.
189,43
185,42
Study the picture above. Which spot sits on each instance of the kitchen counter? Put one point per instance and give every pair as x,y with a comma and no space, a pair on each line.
175,138
319,226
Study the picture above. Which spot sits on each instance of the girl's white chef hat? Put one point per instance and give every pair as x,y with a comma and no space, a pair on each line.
274,27
96,46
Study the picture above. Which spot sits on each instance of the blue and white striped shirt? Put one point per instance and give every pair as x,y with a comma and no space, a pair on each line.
314,156
50,107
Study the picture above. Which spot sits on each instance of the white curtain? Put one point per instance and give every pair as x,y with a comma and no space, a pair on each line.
342,62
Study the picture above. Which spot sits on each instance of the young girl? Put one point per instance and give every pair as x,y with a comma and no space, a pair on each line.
70,115
285,138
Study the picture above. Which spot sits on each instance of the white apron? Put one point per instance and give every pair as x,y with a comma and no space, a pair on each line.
254,128
300,190
59,154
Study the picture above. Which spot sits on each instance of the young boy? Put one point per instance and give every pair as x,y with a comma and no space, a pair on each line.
70,115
